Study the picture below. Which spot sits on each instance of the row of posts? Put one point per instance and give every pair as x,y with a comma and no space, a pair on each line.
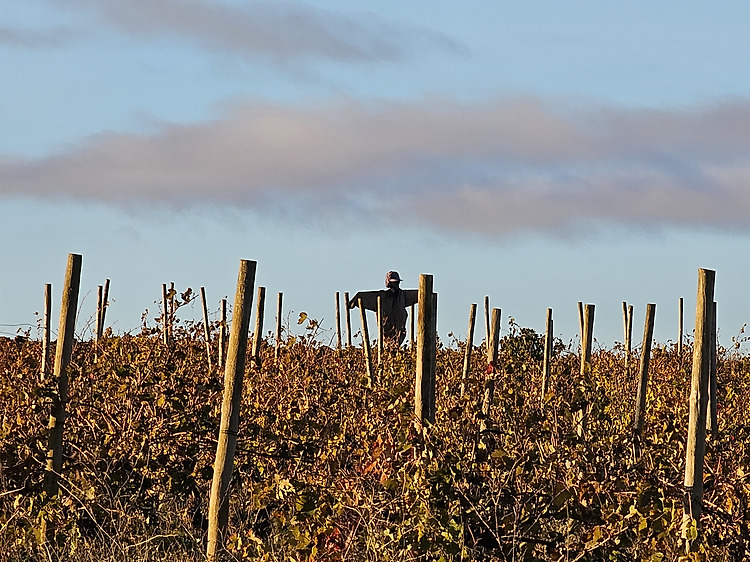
702,405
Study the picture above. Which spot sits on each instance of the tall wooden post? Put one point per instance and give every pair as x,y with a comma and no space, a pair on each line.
486,324
625,337
366,344
412,331
712,419
629,344
547,365
105,305
172,312
338,322
679,327
696,439
587,339
99,306
279,298
380,330
165,314
348,318
640,401
44,368
424,387
260,307
469,347
580,322
223,334
218,510
63,353
494,341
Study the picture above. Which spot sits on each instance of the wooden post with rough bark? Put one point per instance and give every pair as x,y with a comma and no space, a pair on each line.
63,353
712,416
206,327
348,319
486,324
218,511
469,347
279,298
424,386
640,400
547,364
223,333
696,439
587,340
260,307
494,341
580,322
338,322
44,367
680,323
105,305
366,344
98,327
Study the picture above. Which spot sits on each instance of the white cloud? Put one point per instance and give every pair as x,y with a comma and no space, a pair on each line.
501,166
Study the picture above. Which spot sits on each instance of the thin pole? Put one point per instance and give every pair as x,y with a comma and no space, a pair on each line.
223,333
469,346
105,305
679,328
712,420
165,314
412,332
348,319
338,322
63,353
580,321
366,344
696,440
99,306
260,307
547,365
218,511
380,330
424,386
629,348
279,299
493,349
640,401
172,310
486,324
44,371
586,344
625,338
206,327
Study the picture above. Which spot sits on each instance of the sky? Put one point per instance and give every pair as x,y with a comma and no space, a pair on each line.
539,153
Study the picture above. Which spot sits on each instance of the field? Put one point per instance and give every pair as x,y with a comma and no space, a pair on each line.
329,469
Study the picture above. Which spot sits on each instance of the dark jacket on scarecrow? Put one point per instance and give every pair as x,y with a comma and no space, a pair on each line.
394,303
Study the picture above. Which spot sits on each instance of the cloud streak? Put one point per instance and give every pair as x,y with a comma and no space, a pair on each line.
281,31
494,168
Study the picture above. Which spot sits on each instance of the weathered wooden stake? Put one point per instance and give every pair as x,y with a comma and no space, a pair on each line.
580,322
547,365
494,341
260,307
696,439
625,337
469,347
640,401
412,332
63,353
165,314
279,298
105,305
712,419
366,344
348,318
424,386
206,328
486,325
379,314
223,334
98,327
44,368
172,311
218,511
629,343
679,328
587,339
338,322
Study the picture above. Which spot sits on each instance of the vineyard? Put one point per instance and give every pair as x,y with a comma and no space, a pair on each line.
327,468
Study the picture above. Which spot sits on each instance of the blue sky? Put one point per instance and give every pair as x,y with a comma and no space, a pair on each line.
539,153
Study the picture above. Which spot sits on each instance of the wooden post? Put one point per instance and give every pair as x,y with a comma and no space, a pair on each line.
580,322
587,339
547,365
469,346
165,314
348,318
218,511
696,439
640,401
494,343
625,338
172,311
486,324
63,353
99,306
380,330
366,344
424,386
679,328
629,344
489,395
260,307
44,368
412,332
338,322
223,334
105,305
279,298
206,327
712,420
